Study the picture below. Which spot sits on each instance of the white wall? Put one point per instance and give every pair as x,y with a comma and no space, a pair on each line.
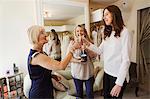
129,12
15,17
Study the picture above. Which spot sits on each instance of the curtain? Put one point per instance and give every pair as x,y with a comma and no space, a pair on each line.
143,36
147,51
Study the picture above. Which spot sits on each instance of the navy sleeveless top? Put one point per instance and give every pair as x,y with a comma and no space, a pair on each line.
41,86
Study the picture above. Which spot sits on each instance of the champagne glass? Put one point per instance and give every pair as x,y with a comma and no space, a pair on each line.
83,54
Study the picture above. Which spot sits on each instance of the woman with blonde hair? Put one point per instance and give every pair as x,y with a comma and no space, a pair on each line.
82,68
40,65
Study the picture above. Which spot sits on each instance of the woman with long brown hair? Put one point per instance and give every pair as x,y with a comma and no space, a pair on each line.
116,48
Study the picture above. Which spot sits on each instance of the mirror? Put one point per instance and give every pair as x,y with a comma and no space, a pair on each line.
62,16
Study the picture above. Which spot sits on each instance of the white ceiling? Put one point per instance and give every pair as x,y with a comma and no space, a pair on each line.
62,10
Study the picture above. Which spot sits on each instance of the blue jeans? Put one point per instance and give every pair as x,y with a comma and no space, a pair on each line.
89,87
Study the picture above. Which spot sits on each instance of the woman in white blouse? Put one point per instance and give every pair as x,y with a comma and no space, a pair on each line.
116,48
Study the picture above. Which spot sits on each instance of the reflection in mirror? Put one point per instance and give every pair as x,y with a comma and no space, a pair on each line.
62,16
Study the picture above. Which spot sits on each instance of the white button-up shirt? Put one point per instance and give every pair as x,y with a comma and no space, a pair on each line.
116,55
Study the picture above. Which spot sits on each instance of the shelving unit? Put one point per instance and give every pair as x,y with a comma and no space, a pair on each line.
16,84
3,88
11,86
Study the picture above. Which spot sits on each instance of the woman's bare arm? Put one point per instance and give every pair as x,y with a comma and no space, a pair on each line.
50,63
91,53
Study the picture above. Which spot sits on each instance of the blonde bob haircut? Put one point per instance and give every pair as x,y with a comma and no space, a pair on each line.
33,33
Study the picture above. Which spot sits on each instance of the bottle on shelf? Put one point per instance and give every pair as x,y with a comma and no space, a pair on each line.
15,68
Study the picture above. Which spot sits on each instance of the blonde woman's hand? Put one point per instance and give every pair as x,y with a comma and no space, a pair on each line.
74,45
78,39
85,41
115,91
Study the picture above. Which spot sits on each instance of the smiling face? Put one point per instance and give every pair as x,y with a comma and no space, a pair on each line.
107,17
79,31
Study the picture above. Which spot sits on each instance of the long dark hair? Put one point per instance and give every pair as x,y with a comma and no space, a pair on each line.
55,36
117,21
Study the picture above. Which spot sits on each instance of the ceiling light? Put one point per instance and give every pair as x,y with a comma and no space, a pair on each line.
47,14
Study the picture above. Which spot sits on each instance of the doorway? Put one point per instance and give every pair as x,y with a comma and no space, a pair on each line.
143,49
